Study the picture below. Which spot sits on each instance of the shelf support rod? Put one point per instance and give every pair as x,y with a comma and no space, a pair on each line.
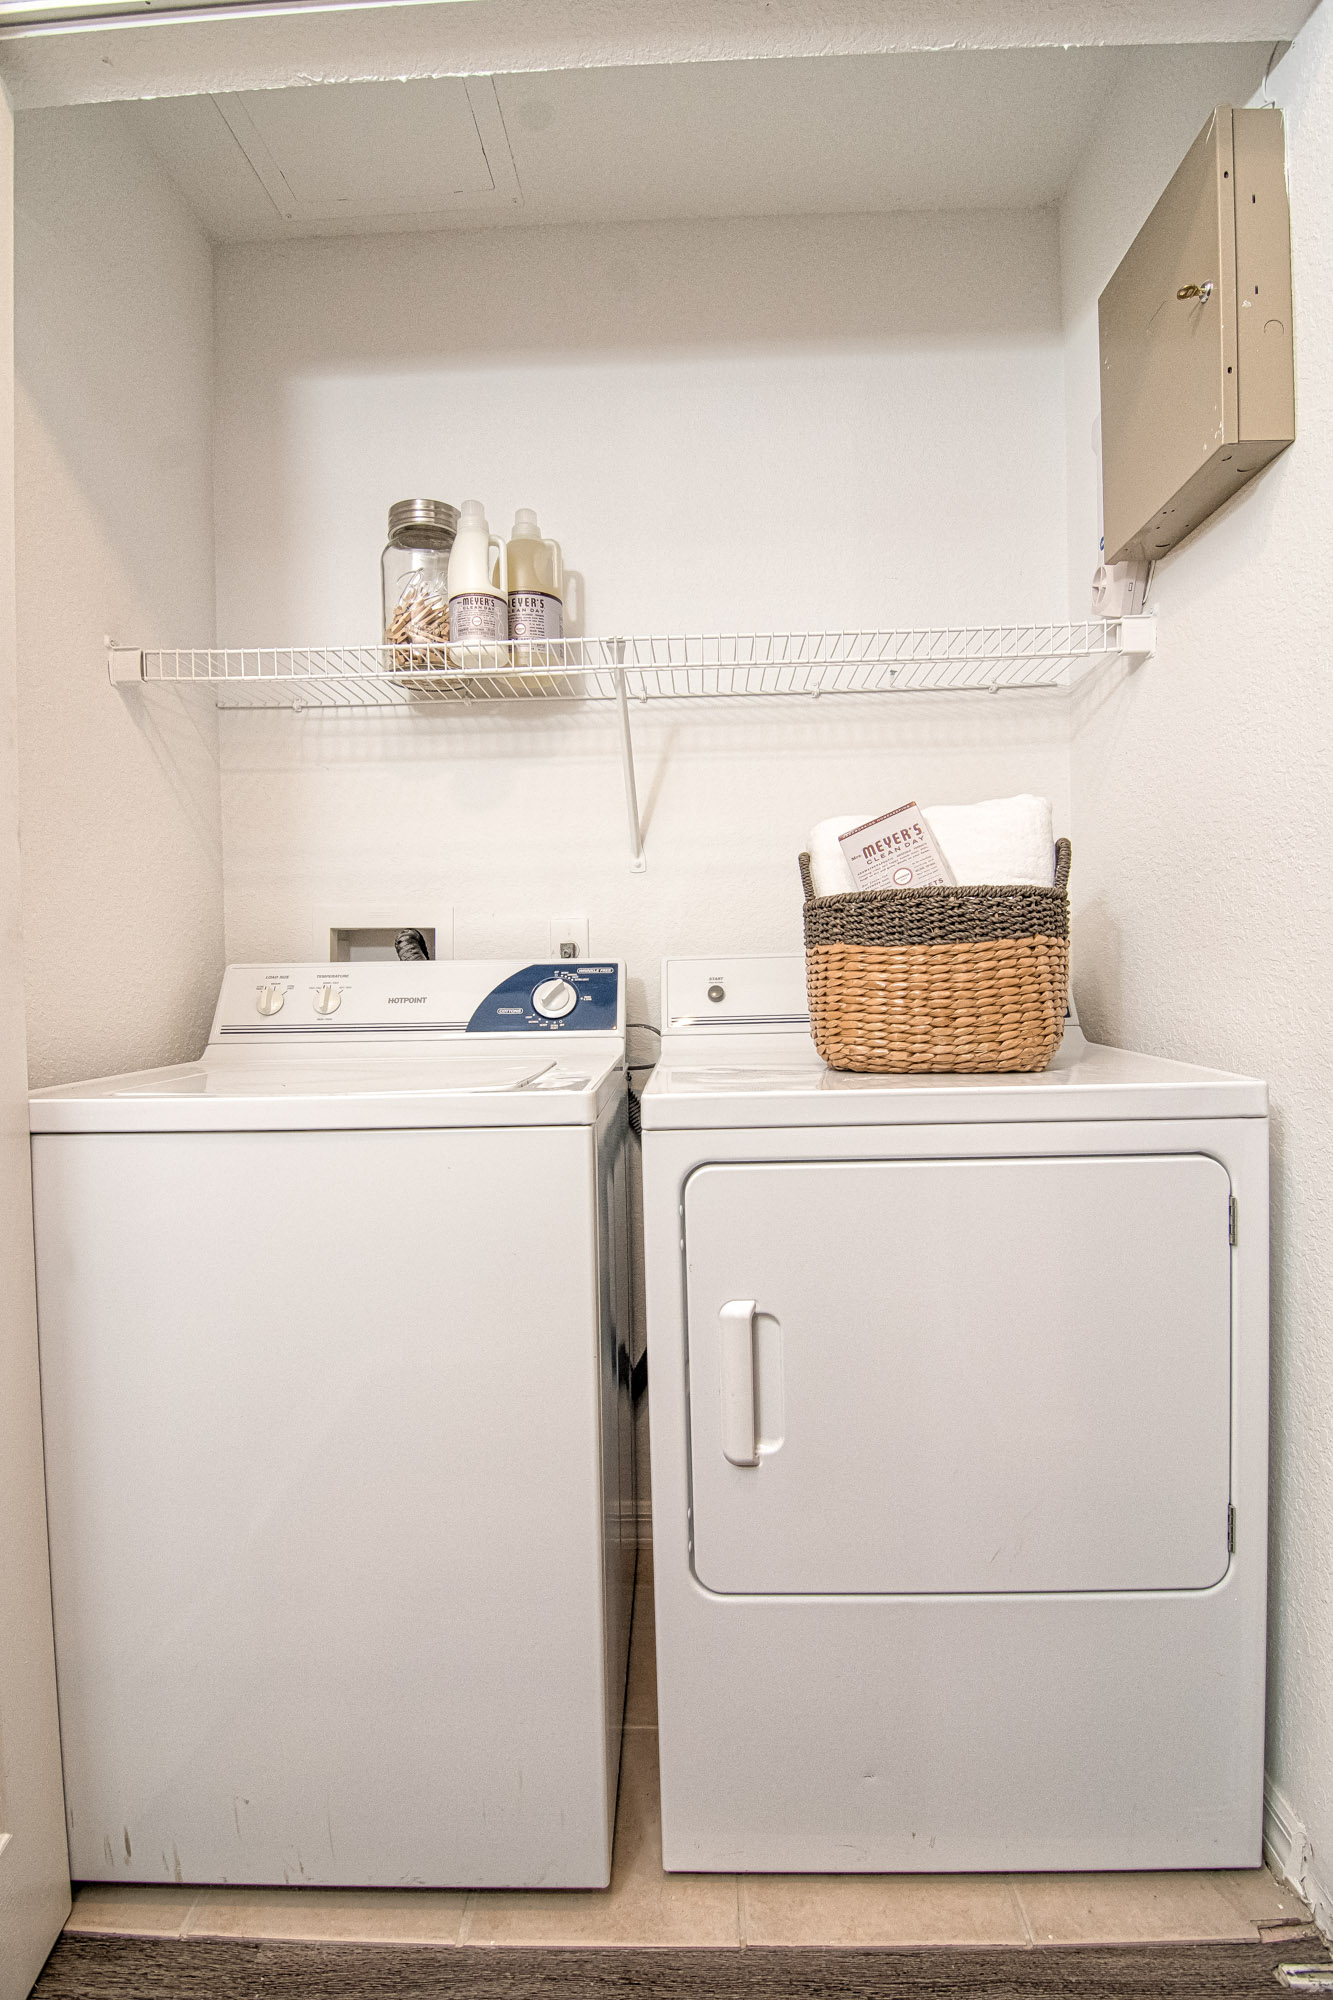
637,859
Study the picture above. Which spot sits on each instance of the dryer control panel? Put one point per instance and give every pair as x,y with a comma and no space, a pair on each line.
420,999
734,994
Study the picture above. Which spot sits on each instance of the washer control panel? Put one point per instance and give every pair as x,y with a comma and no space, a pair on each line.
554,999
563,996
418,999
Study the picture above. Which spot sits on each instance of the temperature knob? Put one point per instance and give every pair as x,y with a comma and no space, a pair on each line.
269,999
328,999
555,998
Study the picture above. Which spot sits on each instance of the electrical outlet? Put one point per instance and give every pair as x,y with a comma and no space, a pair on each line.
569,937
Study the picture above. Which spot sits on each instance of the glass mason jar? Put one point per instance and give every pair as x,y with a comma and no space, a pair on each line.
415,572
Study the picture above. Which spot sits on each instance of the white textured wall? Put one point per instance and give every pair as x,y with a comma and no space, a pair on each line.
122,877
749,426
34,1864
1203,926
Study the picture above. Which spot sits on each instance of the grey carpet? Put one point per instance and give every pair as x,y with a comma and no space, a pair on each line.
87,1968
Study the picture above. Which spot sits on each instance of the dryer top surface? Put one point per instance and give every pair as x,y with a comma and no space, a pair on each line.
747,1060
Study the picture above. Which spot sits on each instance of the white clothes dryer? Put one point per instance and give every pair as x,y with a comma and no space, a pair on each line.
333,1345
958,1393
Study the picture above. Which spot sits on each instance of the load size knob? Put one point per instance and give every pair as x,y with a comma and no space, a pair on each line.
269,999
555,998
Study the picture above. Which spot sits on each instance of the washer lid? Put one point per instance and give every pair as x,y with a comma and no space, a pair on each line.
347,1080
232,1091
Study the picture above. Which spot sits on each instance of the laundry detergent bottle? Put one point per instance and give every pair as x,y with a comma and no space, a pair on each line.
478,580
536,582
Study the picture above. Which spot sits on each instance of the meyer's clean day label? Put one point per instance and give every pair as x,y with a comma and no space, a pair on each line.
534,615
478,614
895,851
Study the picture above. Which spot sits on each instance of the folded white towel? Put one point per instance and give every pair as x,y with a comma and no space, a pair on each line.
828,864
998,840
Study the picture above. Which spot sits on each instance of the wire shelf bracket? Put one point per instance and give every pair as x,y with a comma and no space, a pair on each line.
958,659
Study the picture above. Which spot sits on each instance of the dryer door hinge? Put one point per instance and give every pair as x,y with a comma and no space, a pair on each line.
1233,1227
1231,1531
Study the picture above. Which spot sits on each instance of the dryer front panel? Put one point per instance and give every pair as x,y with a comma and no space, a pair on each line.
960,1376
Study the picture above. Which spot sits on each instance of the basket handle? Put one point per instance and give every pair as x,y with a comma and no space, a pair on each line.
1063,852
807,879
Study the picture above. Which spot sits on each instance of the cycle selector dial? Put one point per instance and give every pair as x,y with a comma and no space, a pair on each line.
328,999
269,999
554,998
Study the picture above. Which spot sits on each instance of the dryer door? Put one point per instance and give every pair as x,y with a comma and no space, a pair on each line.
960,1375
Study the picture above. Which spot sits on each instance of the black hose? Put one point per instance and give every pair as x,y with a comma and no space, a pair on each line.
410,944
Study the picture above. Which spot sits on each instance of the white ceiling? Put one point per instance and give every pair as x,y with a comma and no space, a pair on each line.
826,135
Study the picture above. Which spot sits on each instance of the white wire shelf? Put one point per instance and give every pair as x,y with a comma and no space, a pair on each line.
960,659
919,660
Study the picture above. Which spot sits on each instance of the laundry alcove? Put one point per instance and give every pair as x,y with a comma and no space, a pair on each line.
818,372
777,348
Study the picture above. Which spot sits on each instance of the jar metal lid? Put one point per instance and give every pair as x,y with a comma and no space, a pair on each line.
437,514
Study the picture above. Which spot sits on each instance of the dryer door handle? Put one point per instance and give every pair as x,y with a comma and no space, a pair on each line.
740,1441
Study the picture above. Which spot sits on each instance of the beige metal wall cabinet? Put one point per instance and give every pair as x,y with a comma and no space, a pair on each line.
1198,383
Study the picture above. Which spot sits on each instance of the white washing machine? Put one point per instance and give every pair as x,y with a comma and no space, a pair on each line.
959,1450
338,1441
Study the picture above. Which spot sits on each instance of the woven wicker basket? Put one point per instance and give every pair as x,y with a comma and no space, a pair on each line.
939,979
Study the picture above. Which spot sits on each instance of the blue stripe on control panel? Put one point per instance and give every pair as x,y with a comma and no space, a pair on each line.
509,1005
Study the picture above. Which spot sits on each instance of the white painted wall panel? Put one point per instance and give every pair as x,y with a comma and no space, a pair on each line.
34,1865
817,421
730,426
1202,920
122,872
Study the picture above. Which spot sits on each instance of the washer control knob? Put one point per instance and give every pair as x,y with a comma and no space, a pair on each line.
328,999
269,999
717,992
555,998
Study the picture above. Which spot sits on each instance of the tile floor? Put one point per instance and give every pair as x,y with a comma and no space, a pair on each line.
647,1907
